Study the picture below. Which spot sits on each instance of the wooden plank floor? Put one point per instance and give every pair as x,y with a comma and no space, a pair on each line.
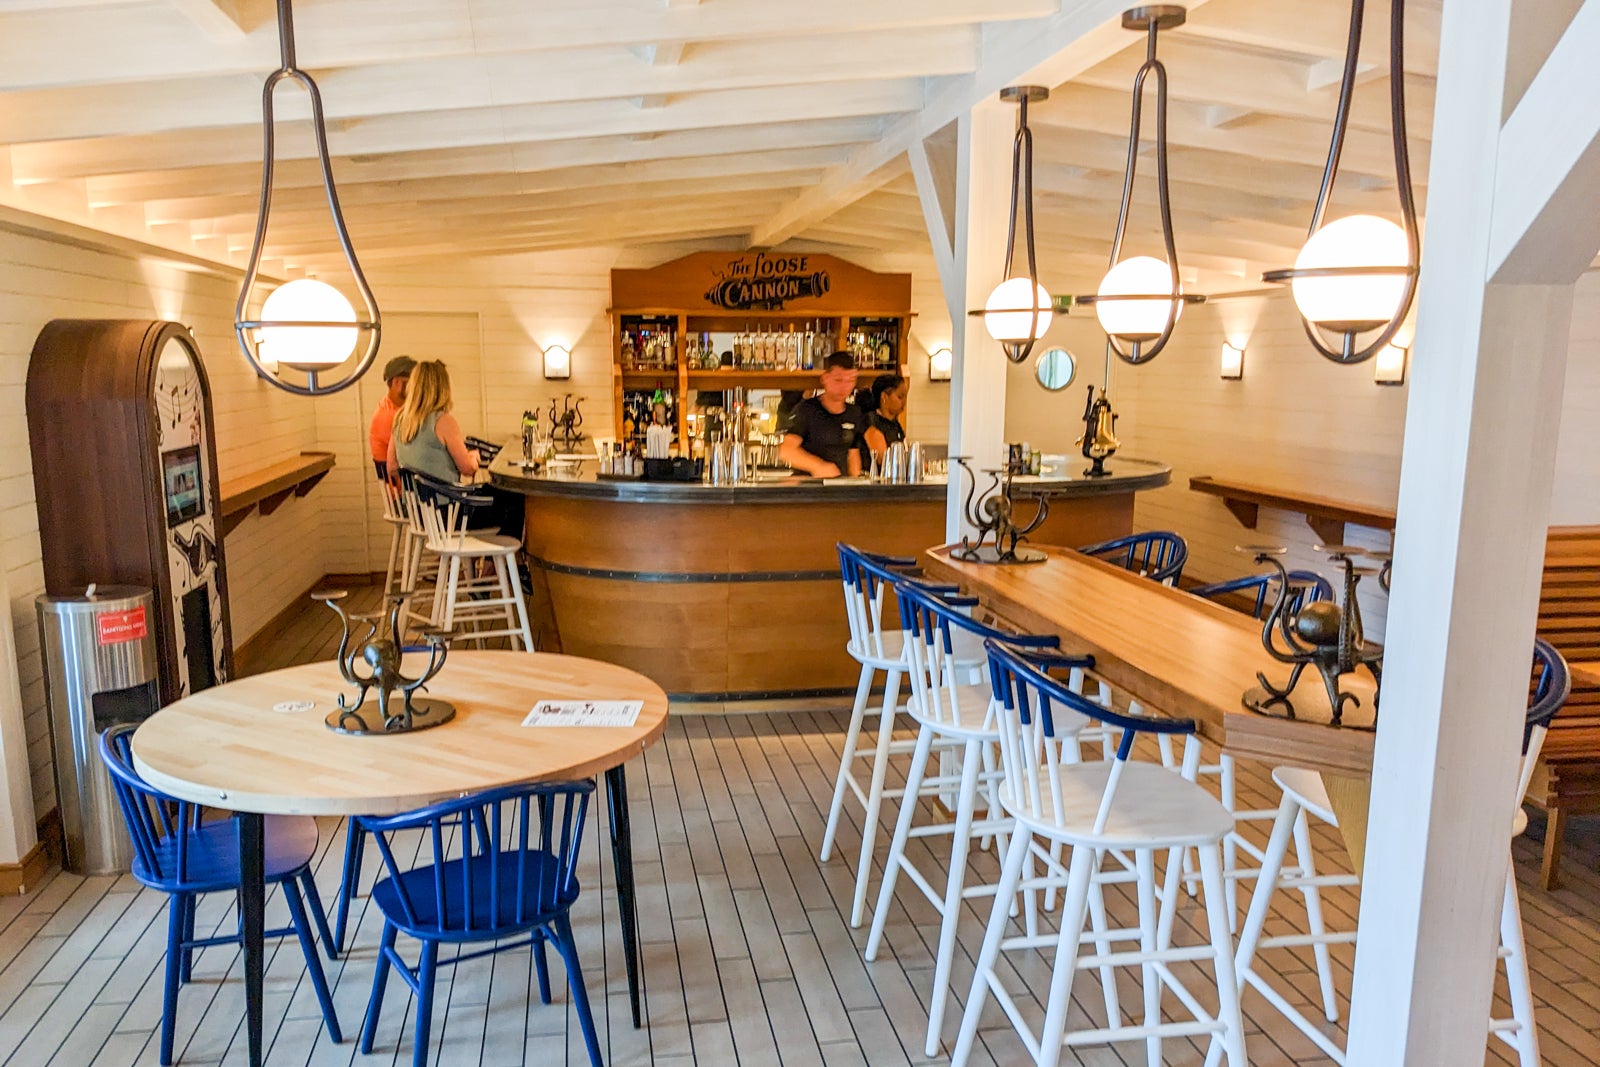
749,957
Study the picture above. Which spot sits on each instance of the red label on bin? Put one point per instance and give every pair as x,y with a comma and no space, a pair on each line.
115,627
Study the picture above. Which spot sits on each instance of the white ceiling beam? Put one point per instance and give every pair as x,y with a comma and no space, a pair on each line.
218,19
667,53
641,178
1048,51
725,146
1320,30
217,102
463,129
151,41
1545,230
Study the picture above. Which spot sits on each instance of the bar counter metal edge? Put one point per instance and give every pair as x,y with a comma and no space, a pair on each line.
732,592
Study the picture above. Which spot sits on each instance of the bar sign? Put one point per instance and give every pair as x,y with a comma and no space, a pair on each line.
117,627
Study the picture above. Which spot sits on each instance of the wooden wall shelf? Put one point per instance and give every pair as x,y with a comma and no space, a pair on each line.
1325,515
269,487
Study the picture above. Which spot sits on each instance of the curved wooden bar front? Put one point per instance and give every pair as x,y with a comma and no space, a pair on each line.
729,593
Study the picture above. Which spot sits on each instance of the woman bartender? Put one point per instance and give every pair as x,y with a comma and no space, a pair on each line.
823,439
884,404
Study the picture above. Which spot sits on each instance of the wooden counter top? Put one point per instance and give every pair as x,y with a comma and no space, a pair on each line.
1175,652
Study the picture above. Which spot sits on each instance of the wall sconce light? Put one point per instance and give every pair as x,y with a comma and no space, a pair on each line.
557,362
1391,366
941,361
1232,362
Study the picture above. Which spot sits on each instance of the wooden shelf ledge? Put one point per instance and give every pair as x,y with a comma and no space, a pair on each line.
1325,515
266,489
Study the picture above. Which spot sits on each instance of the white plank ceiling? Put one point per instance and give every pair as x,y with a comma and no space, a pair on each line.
464,127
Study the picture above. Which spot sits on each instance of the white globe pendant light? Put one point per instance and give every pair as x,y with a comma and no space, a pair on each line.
305,325
307,347
1358,274
1340,282
1140,299
1018,311
1136,299
1011,318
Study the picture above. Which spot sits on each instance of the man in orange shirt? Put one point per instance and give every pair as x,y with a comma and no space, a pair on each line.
395,375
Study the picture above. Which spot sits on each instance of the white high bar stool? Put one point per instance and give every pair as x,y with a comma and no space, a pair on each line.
491,605
955,714
1117,805
867,577
1304,792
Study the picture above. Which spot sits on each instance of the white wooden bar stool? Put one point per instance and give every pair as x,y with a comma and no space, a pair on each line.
867,577
478,607
1117,805
419,567
953,713
1303,793
394,514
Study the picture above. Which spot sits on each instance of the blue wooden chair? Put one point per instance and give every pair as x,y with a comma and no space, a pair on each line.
1158,555
177,852
1304,588
525,885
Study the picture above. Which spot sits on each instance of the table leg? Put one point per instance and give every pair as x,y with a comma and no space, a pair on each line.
622,860
252,910
1350,798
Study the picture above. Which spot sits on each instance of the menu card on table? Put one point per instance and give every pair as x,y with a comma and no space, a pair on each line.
584,713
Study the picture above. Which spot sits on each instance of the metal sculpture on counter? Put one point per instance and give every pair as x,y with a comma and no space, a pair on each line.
382,655
1099,439
1322,634
994,515
565,423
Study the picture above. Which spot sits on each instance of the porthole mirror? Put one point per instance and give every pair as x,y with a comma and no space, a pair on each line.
1055,369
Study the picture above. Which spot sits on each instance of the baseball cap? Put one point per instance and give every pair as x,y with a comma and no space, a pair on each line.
397,367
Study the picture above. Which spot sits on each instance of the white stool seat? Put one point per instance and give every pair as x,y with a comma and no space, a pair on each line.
1155,808
967,718
1308,791
968,652
473,546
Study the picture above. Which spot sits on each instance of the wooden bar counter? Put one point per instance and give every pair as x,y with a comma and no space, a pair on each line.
720,592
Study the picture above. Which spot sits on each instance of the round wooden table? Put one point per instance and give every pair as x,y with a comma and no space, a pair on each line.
227,747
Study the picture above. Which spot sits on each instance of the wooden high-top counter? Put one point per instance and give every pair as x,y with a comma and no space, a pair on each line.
731,592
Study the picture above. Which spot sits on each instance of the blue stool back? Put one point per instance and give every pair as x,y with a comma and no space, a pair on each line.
1158,555
1305,587
938,632
1036,709
1552,685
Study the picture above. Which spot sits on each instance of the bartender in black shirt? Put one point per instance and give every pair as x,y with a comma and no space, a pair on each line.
823,439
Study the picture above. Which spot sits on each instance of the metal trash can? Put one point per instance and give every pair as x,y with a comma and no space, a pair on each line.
99,671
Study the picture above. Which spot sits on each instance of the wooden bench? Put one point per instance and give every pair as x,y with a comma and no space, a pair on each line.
1326,515
1567,780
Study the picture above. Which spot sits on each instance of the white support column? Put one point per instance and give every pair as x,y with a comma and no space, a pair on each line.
978,381
1480,439
17,829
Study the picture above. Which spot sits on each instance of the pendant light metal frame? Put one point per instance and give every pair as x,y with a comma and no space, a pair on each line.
1151,19
371,325
1347,353
1022,171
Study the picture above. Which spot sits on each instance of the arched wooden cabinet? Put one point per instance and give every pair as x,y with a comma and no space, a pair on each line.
125,476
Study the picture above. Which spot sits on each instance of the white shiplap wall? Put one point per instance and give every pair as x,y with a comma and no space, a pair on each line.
1295,419
43,278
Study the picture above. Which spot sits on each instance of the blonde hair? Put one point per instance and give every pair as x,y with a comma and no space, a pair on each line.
427,392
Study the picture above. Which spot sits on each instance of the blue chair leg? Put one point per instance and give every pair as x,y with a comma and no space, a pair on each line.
354,840
308,882
319,980
427,971
177,907
541,966
380,981
562,927
186,973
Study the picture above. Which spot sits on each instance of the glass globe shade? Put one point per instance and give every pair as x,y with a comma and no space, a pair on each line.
1352,302
1136,320
1007,315
307,300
